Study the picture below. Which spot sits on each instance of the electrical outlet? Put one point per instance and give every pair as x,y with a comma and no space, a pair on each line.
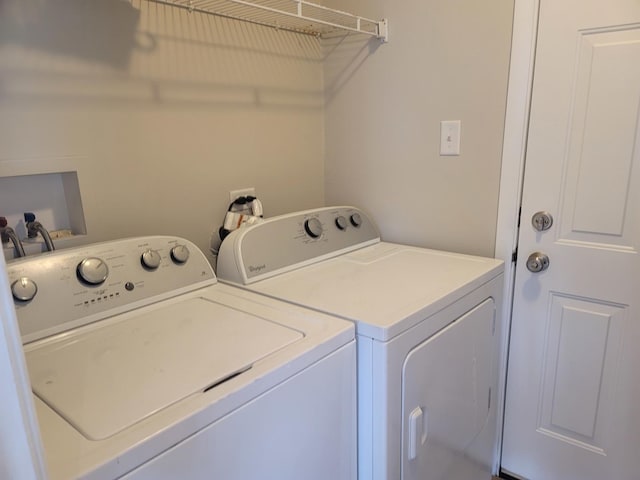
243,192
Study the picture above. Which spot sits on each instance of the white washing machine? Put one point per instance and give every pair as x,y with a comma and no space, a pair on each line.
143,367
426,324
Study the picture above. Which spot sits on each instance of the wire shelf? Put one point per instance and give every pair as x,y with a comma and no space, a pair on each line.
293,15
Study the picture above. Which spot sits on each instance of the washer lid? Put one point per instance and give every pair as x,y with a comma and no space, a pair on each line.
104,378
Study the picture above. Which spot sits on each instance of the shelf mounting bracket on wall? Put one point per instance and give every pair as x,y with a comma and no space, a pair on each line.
293,15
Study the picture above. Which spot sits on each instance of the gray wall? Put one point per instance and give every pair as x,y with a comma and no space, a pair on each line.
446,60
160,111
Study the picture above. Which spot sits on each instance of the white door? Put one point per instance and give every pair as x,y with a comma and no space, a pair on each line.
573,388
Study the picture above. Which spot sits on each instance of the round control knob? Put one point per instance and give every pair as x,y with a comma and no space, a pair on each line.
356,219
150,259
341,223
313,227
92,270
180,254
24,289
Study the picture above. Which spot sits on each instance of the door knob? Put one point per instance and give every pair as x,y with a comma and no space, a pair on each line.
537,262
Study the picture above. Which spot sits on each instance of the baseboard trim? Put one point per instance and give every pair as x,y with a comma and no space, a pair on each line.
506,476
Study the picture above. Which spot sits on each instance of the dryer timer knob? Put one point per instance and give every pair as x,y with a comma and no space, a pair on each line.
356,219
313,227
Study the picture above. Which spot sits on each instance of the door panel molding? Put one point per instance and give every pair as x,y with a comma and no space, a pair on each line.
583,339
600,155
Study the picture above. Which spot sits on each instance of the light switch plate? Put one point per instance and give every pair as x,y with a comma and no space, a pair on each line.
450,137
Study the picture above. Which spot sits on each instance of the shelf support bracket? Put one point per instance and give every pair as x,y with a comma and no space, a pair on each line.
383,30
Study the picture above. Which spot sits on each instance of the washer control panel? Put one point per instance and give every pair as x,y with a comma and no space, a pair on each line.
67,288
283,243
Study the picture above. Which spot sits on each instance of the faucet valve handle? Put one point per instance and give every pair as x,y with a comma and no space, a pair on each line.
34,227
29,219
4,237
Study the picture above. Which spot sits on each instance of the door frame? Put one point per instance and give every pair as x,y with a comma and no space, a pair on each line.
523,44
19,431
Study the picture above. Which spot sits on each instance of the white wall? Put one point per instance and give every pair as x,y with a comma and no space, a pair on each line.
446,60
161,111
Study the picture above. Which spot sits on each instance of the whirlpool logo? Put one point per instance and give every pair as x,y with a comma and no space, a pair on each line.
257,268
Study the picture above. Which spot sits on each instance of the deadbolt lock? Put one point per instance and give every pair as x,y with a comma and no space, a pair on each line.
542,221
537,262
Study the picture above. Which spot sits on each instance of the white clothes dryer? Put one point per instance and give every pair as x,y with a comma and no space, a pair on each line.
144,367
427,334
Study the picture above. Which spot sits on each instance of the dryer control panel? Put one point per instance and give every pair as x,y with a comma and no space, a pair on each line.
67,288
280,244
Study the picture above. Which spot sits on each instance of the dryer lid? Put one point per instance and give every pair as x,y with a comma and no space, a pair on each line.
108,376
385,288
